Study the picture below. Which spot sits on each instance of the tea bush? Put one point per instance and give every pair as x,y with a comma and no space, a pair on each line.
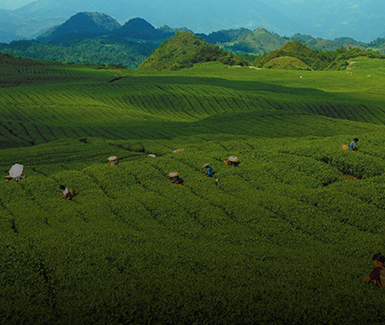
284,237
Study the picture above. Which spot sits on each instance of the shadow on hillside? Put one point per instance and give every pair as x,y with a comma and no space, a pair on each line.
231,84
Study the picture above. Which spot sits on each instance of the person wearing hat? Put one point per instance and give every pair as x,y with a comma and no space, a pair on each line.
233,161
113,160
174,177
353,145
16,172
209,170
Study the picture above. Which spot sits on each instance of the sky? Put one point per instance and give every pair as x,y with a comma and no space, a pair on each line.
13,4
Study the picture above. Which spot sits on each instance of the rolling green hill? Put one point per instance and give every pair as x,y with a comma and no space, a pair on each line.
315,59
286,63
184,50
286,237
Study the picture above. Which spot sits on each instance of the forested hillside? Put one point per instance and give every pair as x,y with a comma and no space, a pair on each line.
184,50
297,56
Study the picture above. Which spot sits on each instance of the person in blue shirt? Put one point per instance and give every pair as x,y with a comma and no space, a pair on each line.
209,170
353,145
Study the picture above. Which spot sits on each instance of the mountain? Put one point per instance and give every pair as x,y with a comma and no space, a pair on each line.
94,38
13,4
257,41
200,16
378,45
261,41
98,38
83,24
224,36
138,28
362,20
183,50
10,23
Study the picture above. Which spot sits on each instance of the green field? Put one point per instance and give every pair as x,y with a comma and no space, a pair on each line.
286,237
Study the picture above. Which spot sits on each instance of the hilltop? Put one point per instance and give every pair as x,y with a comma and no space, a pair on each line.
295,55
81,25
139,28
258,41
184,50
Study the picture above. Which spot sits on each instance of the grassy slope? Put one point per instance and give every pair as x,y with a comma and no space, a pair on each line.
50,103
285,237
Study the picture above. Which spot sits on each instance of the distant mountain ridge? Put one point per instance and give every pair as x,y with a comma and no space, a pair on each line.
139,28
241,40
83,24
99,38
327,19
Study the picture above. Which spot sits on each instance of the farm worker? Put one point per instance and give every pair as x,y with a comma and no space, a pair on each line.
113,160
16,172
208,169
174,177
378,273
353,145
66,193
233,161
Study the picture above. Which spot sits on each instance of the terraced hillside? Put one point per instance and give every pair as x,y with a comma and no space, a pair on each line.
41,102
286,237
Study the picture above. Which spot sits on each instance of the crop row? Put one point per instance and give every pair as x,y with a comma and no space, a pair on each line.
132,243
110,115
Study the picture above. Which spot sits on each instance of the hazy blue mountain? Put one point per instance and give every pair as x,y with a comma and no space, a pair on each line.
83,24
361,20
9,25
139,28
13,4
200,15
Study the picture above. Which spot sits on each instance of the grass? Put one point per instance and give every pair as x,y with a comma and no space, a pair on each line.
285,237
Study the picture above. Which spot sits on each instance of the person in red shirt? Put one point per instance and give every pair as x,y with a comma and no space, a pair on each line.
378,262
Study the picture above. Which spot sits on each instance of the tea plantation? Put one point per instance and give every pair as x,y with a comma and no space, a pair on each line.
286,237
